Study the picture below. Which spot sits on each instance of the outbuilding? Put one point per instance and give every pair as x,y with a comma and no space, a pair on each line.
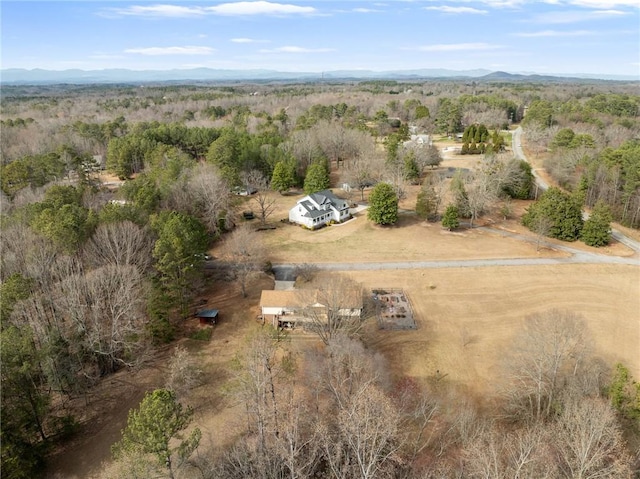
207,316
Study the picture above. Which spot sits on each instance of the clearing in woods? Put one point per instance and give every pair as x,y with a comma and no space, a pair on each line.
465,317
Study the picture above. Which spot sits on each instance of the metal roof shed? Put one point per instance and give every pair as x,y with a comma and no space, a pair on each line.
207,316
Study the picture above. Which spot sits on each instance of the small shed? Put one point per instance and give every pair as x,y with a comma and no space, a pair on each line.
207,316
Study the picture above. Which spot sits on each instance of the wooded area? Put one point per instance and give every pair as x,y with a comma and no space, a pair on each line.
97,274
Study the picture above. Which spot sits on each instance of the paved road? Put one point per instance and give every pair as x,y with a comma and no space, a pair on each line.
543,185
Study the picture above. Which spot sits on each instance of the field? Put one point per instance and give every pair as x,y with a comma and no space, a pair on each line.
466,316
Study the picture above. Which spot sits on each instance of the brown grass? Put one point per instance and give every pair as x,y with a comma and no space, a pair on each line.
466,316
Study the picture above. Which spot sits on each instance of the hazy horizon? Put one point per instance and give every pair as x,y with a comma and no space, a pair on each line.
563,37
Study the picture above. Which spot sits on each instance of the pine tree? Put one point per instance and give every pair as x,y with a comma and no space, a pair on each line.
153,428
317,178
562,211
450,218
282,178
383,205
597,229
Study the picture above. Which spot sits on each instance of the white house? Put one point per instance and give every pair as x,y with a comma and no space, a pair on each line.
319,209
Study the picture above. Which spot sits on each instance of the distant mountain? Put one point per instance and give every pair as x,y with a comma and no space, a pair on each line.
39,76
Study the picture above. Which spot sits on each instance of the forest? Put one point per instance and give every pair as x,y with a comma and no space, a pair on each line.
112,195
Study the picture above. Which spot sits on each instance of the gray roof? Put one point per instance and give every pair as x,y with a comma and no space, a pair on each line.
326,196
207,313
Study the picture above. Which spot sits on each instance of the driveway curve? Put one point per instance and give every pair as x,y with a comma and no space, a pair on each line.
543,185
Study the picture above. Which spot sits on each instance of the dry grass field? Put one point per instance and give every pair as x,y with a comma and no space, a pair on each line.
466,316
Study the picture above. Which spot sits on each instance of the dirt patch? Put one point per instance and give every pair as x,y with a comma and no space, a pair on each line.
393,310
106,413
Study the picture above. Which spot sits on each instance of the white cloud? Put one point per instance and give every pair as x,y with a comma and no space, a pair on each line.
160,11
595,4
188,50
293,49
248,40
605,4
555,33
259,8
449,9
575,16
455,47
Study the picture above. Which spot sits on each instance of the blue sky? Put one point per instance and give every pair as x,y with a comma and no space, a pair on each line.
550,36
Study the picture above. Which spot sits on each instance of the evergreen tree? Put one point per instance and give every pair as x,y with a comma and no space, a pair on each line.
411,170
154,427
460,195
317,178
426,203
450,219
283,177
597,229
562,211
383,205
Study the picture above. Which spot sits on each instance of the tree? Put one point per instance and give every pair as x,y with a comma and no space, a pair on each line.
549,352
429,156
458,187
202,192
265,202
62,219
184,373
358,433
317,178
624,393
280,437
540,225
283,177
597,229
589,441
383,205
563,212
517,180
155,426
126,155
450,218
336,306
25,405
177,251
411,170
13,289
245,253
119,243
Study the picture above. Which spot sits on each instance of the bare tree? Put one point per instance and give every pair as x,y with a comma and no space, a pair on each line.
369,426
280,438
245,254
263,198
184,373
589,441
203,193
508,454
335,306
550,350
106,305
359,432
364,171
121,243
